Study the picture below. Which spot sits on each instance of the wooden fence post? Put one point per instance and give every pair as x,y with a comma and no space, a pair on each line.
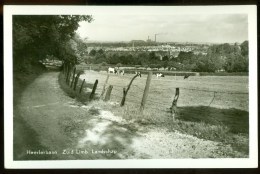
76,81
212,98
126,90
67,73
104,87
146,91
124,97
66,70
174,103
81,86
69,77
108,93
93,90
73,77
63,67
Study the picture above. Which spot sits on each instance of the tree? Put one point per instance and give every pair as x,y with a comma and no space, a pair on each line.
113,59
236,63
142,59
80,48
35,36
93,52
100,51
244,48
126,59
224,56
165,58
185,57
208,63
152,56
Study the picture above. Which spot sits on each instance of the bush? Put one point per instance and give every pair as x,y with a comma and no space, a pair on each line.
104,64
119,65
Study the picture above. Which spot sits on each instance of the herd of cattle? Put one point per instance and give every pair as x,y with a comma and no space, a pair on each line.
116,70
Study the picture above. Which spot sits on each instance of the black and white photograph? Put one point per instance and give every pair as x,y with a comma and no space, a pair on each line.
130,86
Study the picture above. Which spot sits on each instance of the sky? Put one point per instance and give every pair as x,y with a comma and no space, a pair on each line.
213,28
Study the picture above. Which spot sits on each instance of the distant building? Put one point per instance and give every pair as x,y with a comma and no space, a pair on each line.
149,40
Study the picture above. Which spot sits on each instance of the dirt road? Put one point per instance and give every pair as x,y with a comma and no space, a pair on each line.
66,129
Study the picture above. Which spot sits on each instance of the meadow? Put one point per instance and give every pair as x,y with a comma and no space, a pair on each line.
209,107
230,91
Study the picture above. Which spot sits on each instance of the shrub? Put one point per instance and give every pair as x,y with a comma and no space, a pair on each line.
119,65
104,64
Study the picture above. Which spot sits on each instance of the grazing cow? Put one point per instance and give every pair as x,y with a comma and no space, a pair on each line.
186,76
111,70
159,75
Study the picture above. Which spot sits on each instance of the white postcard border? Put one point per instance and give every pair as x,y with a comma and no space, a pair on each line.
250,162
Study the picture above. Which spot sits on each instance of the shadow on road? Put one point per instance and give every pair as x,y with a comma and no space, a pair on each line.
106,138
25,138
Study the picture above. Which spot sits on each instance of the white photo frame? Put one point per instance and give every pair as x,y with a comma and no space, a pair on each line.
249,10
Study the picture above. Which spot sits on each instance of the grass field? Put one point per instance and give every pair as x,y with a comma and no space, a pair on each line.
221,117
230,91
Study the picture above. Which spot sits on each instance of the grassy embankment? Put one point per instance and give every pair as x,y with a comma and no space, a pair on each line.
228,126
68,89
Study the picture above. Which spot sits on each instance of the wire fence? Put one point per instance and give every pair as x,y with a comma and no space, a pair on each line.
160,98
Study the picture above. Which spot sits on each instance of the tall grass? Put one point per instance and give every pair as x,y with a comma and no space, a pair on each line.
227,126
81,97
225,121
224,73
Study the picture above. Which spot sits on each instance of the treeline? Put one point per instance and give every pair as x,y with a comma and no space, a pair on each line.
222,57
121,44
36,37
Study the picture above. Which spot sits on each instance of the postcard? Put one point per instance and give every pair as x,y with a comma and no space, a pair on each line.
130,87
